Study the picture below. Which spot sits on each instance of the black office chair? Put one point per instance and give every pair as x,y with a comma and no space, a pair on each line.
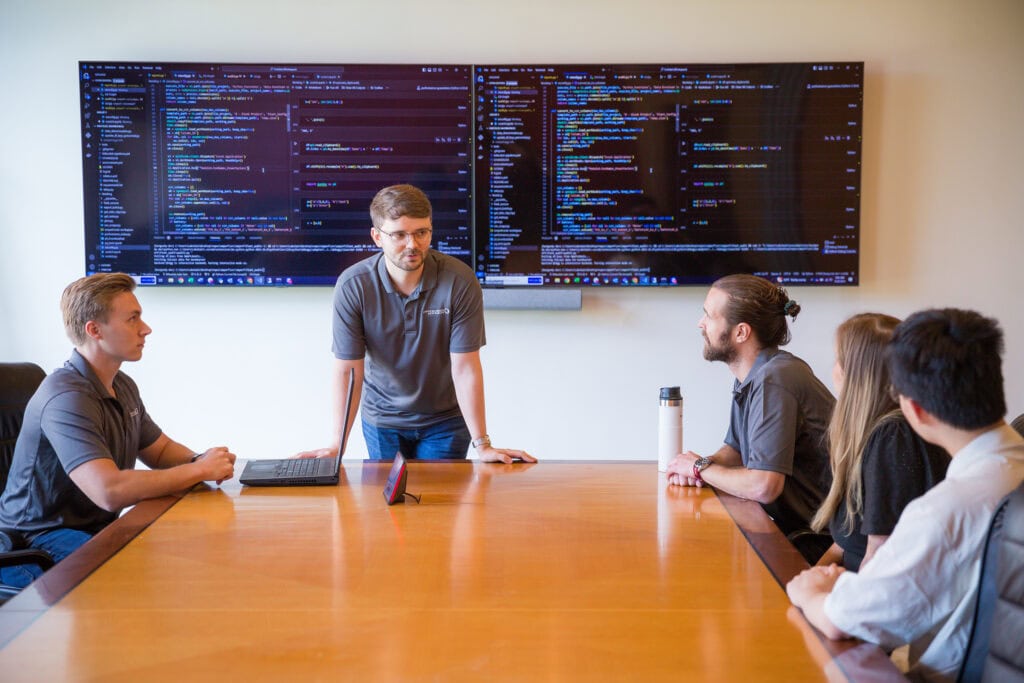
994,651
1018,424
18,381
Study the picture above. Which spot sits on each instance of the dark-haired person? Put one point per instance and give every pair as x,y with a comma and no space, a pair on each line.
775,450
878,463
922,584
73,468
410,322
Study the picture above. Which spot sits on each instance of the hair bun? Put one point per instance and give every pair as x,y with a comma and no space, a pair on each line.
792,309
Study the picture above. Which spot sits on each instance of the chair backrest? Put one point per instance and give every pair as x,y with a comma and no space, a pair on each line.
994,651
1005,655
18,381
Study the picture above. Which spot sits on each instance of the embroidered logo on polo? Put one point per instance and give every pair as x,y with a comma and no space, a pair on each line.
437,311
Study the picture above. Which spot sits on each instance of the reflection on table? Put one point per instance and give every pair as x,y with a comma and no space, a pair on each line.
555,571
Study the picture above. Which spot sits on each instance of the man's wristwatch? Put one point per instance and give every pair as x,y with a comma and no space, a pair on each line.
699,465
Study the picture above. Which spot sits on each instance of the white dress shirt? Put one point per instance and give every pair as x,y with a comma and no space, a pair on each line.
922,584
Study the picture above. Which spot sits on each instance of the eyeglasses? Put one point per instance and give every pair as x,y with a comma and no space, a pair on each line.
401,237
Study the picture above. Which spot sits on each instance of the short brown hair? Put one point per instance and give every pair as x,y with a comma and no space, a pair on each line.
89,298
760,303
399,200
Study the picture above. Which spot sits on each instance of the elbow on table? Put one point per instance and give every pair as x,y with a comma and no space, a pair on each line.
108,488
112,497
108,500
831,631
767,487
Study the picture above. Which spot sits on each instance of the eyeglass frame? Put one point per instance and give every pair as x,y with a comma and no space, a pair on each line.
418,235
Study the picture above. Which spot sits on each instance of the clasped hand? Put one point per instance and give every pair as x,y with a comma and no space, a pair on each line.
811,582
217,463
680,470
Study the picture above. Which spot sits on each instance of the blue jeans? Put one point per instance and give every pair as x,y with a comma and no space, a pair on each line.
447,439
59,543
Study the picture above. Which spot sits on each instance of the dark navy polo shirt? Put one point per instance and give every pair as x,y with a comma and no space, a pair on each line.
407,341
70,420
779,419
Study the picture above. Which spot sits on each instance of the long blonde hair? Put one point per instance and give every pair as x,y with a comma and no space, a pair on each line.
863,404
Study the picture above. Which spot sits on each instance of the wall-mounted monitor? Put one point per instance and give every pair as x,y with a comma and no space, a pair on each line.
597,175
541,176
262,174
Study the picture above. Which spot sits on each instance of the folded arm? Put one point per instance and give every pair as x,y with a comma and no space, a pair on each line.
808,590
111,488
728,474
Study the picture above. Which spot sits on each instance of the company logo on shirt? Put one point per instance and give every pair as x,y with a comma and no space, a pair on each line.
437,311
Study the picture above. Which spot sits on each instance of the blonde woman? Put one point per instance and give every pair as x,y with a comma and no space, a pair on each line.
878,463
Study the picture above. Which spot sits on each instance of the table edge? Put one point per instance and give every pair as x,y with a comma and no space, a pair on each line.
18,613
771,546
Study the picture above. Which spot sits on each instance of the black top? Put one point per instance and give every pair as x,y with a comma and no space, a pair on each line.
898,466
1018,424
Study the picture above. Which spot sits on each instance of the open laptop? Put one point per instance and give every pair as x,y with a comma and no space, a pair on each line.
301,472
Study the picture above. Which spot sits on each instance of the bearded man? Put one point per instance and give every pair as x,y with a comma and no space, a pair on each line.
775,450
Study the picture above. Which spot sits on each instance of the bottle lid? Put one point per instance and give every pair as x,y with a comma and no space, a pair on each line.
671,394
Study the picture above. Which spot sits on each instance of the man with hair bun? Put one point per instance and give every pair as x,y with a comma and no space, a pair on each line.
775,450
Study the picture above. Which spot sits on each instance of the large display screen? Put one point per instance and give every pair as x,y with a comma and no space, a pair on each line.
540,175
594,175
260,174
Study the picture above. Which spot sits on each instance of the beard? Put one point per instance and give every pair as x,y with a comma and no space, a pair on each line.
724,350
399,260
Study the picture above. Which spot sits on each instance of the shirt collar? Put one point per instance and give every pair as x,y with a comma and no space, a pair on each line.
740,391
79,364
982,446
427,282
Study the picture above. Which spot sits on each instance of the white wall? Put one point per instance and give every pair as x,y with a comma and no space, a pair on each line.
942,203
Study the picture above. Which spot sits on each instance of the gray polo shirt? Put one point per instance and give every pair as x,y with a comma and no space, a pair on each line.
407,341
779,420
70,420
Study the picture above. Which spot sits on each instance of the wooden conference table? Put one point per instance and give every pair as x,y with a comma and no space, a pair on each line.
554,572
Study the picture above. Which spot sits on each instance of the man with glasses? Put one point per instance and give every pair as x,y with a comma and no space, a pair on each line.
410,322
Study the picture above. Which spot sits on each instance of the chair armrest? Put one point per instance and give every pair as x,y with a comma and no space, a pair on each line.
14,558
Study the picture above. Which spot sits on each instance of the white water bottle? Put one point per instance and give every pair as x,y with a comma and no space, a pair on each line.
670,426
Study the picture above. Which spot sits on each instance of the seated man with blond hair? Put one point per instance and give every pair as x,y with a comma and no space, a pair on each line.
73,468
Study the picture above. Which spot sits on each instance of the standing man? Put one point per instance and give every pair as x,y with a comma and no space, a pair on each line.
922,585
73,468
775,451
410,321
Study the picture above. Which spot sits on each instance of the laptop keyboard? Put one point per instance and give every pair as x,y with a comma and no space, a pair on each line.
298,468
